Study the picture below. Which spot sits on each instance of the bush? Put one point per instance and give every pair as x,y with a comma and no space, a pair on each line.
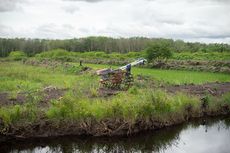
157,50
54,54
17,55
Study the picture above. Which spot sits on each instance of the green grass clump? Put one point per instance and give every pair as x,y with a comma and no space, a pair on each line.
226,98
19,114
216,104
125,106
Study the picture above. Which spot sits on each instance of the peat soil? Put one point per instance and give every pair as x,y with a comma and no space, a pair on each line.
47,94
214,89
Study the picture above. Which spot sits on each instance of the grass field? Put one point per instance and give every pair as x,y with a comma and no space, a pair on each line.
175,76
16,76
82,103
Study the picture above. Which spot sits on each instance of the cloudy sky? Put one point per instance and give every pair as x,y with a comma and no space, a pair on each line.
190,20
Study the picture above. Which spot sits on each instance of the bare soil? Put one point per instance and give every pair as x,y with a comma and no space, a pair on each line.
47,94
215,89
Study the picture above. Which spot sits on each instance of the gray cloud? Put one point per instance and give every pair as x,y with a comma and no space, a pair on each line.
71,9
53,30
9,5
89,1
5,30
206,20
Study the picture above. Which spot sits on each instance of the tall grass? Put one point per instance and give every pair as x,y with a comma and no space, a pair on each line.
28,112
16,76
126,106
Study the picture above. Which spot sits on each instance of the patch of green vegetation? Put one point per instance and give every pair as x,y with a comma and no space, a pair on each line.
63,55
73,56
174,76
215,104
17,55
219,56
21,114
158,50
125,105
53,53
182,77
226,98
82,102
26,113
156,55
17,77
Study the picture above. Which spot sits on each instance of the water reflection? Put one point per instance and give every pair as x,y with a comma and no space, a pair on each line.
209,135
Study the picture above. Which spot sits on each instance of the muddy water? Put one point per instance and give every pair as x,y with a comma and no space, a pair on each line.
200,136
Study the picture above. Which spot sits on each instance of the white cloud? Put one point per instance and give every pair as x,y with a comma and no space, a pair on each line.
5,30
71,9
206,21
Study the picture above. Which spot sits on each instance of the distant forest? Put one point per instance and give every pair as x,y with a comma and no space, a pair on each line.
106,44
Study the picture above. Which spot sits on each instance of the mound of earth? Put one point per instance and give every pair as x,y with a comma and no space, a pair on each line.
215,89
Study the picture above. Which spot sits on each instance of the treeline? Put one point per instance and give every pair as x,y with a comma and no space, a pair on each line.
106,44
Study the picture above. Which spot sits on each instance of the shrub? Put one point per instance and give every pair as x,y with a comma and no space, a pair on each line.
157,50
17,55
55,54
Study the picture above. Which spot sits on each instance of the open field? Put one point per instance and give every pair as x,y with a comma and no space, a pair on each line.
16,76
115,68
174,76
52,94
197,61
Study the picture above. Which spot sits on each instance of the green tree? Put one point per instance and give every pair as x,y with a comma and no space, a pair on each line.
158,50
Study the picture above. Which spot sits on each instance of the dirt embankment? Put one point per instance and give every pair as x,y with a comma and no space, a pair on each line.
107,127
214,89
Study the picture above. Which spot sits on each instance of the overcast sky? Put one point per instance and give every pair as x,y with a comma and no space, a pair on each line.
189,20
